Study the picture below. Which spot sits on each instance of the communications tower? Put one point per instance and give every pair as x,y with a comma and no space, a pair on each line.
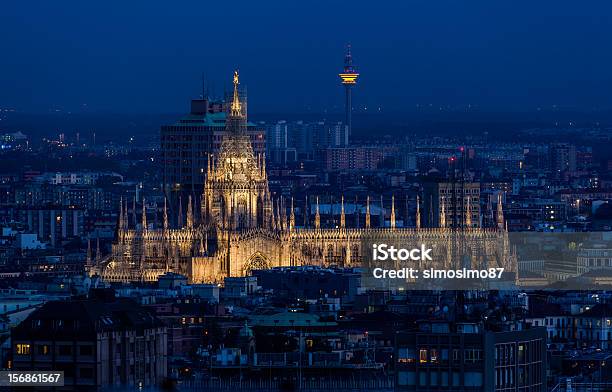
349,78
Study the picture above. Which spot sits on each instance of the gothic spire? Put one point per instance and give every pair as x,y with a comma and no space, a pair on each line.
208,166
392,218
126,219
490,218
442,213
189,214
268,210
165,214
342,215
317,216
98,254
367,217
134,212
279,214
144,215
283,213
88,260
180,213
468,213
418,213
500,213
236,108
291,217
121,214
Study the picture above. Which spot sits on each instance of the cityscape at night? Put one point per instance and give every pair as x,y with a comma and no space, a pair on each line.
412,196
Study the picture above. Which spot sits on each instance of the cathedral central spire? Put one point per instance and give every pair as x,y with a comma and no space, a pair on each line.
236,109
236,191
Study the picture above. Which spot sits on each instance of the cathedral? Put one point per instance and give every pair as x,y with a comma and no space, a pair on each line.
243,228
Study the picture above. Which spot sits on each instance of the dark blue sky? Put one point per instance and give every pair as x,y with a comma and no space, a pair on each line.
148,56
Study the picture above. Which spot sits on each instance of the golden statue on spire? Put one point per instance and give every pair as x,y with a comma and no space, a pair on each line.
236,106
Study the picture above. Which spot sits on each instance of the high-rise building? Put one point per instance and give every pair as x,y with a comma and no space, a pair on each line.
276,135
562,157
351,158
187,145
98,343
406,159
53,223
330,134
277,143
451,204
301,138
466,356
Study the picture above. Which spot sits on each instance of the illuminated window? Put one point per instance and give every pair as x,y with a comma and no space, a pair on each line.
43,349
423,356
23,349
406,355
521,353
434,355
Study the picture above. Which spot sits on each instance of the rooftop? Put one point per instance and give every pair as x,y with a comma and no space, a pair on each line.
85,318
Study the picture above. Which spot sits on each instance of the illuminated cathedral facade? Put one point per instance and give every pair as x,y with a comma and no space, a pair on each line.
242,228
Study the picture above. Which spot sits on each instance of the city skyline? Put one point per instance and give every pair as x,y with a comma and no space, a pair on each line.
411,196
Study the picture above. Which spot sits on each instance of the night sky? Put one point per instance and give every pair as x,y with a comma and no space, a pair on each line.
148,56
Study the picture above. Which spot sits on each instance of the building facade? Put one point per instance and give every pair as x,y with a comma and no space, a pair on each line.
452,204
352,158
53,223
187,144
243,228
447,356
97,343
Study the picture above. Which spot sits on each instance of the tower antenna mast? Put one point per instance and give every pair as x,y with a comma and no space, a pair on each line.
349,77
